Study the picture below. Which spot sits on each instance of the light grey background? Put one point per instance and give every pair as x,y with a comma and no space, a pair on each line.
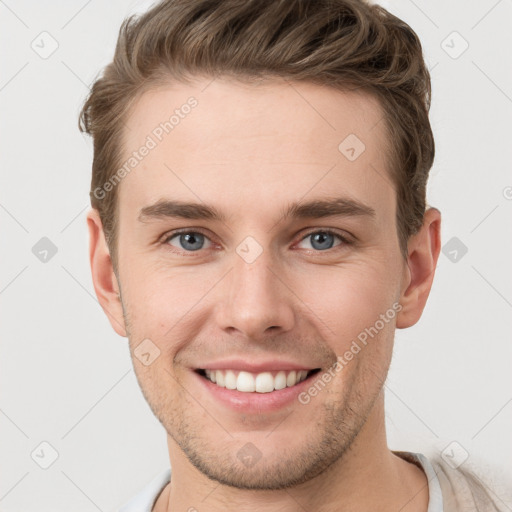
66,377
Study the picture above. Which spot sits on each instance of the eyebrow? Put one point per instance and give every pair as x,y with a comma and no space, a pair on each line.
315,209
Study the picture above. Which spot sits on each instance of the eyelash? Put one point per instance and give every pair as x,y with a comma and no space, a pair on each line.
169,236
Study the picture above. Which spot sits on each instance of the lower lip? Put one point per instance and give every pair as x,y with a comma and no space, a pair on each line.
255,402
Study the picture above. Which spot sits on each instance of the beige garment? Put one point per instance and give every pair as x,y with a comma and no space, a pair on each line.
463,490
466,488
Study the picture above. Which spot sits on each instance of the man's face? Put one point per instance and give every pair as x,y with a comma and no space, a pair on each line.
259,287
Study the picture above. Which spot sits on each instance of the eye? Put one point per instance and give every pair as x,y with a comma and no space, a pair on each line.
193,241
188,240
323,240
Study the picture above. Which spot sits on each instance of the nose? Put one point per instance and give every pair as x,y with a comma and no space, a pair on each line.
256,302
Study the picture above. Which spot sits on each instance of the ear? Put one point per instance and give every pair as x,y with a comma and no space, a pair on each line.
423,251
103,276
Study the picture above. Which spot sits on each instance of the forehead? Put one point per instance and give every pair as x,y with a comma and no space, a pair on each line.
241,144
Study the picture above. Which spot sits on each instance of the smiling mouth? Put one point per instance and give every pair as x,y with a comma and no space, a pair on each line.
264,382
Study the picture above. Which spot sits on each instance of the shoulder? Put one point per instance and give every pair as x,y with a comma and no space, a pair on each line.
146,498
472,487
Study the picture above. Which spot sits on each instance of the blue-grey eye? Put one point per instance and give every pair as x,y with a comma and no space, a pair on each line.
321,240
190,241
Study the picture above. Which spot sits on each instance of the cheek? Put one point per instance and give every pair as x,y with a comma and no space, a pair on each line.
161,301
349,299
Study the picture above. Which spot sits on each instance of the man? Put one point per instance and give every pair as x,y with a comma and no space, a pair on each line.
259,230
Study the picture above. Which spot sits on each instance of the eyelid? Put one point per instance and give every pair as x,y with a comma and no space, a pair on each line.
164,239
344,241
171,234
345,238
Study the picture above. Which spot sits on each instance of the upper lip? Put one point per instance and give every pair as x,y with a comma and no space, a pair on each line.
254,367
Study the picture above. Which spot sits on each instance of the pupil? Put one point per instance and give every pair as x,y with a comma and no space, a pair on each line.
188,241
320,239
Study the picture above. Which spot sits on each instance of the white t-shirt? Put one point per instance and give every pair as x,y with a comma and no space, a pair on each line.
449,489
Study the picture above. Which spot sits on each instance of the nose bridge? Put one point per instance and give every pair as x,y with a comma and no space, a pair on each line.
255,299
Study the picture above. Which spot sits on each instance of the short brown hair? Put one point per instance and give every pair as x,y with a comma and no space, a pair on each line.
344,44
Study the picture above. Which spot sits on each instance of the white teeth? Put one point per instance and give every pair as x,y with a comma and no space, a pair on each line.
263,382
292,378
280,380
245,382
219,378
230,380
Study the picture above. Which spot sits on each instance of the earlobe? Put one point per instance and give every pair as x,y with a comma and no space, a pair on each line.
103,276
423,253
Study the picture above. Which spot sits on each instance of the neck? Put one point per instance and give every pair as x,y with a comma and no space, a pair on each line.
367,477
